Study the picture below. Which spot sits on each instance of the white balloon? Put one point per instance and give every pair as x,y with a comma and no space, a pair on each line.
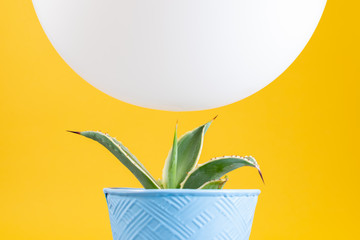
179,55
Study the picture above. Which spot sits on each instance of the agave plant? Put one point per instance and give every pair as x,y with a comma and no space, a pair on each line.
181,168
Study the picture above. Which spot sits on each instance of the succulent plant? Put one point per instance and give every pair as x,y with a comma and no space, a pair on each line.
181,168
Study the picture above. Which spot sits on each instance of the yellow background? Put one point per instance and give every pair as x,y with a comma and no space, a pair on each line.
303,129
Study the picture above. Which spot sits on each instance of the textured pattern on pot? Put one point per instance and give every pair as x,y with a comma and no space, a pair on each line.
175,214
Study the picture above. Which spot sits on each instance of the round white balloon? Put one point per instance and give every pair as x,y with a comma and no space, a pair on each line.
179,55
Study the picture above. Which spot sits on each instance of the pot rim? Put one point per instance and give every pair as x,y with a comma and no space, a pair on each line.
141,192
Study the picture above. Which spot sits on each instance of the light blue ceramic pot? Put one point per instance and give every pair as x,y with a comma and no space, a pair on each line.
179,214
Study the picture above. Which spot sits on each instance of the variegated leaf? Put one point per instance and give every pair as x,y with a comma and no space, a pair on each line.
125,157
189,148
171,163
214,184
215,169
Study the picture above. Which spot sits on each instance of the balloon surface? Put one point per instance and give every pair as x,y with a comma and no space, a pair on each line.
179,55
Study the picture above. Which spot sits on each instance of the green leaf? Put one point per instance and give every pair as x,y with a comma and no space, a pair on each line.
170,168
214,184
216,168
160,183
125,157
189,148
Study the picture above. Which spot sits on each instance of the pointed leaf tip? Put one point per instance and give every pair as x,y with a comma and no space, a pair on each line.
73,132
261,176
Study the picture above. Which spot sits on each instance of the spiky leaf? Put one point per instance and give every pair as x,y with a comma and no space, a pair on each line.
125,157
215,184
170,168
216,168
189,148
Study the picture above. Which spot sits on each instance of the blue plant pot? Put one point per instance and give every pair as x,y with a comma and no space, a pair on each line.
178,214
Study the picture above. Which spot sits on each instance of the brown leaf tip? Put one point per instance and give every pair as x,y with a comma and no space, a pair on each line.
262,178
73,132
